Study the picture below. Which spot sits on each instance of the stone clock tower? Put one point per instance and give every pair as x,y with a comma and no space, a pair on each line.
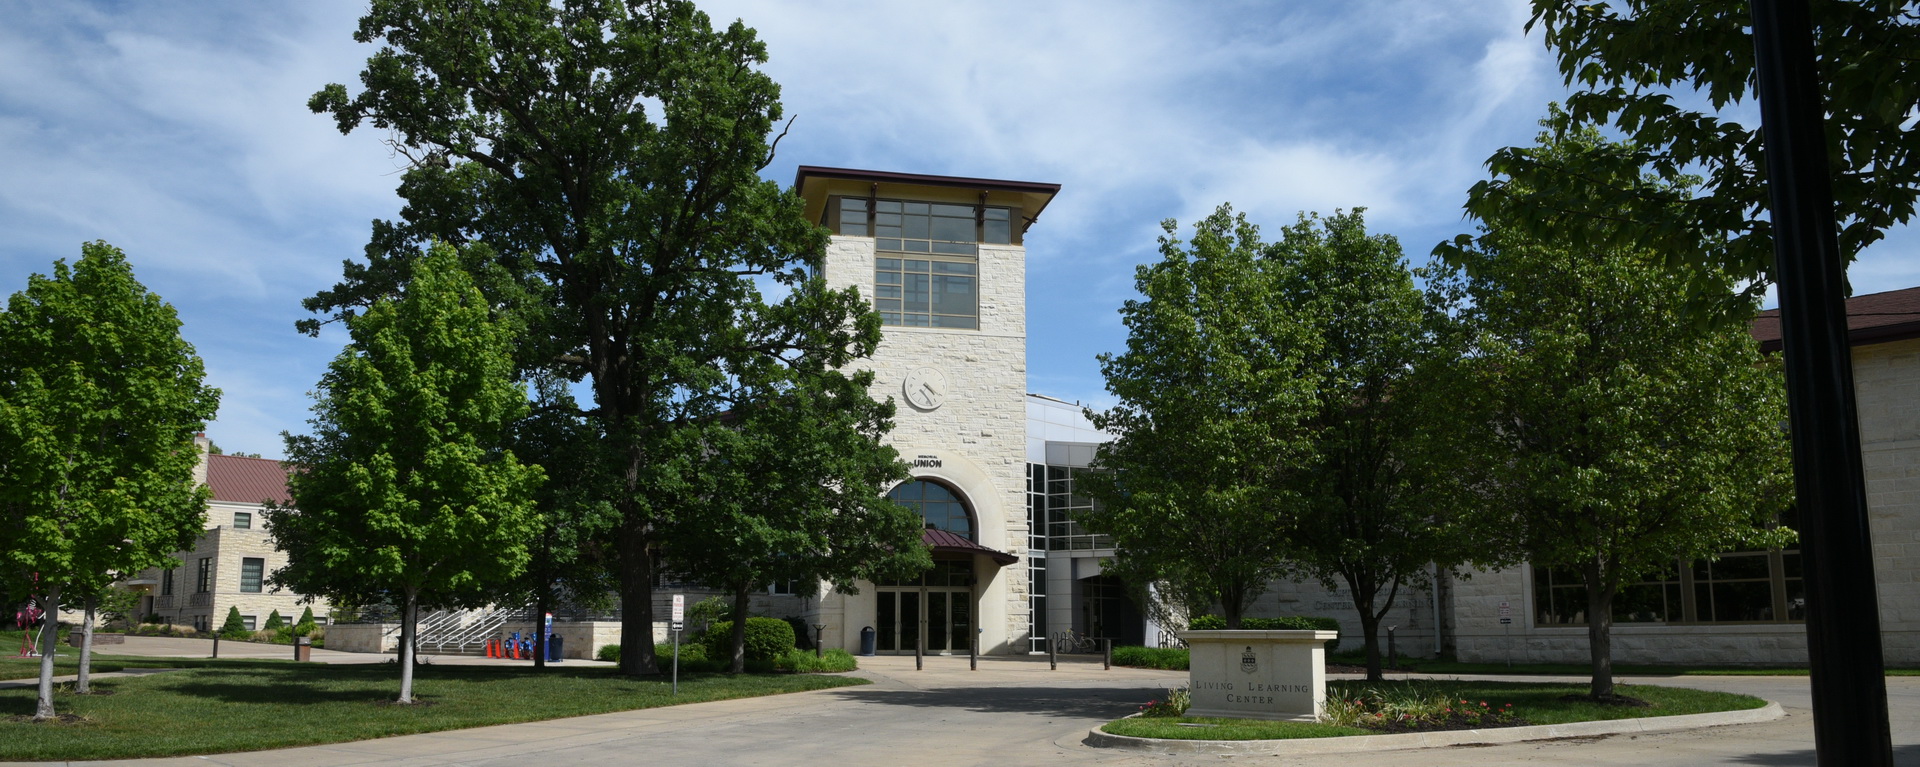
943,260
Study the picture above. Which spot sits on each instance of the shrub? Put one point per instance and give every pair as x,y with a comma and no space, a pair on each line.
306,627
1288,623
767,639
274,622
688,652
1169,658
1412,705
1174,704
235,627
703,614
693,657
832,661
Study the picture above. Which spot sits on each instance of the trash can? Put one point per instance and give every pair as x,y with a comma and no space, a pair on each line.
302,649
555,646
866,641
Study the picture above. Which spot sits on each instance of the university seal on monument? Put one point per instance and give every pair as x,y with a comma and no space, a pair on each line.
1248,663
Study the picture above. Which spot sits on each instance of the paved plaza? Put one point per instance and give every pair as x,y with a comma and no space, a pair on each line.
1010,712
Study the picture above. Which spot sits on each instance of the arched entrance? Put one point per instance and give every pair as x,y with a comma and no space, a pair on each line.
935,611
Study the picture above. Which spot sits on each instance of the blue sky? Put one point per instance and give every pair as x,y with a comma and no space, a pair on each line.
179,132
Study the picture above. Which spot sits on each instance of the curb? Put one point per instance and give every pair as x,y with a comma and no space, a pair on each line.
1413,740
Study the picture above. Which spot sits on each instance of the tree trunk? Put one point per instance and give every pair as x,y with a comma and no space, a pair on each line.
1600,631
49,637
83,684
408,613
739,641
1370,634
636,597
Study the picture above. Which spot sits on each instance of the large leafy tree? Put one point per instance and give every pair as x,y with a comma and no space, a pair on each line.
1670,75
1375,501
568,567
99,401
792,488
1212,396
1613,433
403,491
609,151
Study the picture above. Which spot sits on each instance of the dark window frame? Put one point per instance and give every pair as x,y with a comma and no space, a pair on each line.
919,505
204,584
253,574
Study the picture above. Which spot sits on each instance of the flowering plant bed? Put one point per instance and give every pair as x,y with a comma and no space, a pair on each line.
1423,705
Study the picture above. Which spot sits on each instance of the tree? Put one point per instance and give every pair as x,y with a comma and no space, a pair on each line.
403,489
792,488
235,626
1212,397
629,244
99,400
1375,507
567,563
1612,434
1633,58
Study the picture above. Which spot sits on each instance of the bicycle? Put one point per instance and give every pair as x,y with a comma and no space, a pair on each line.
1068,642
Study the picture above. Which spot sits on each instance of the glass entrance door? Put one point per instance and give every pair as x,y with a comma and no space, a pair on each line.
943,616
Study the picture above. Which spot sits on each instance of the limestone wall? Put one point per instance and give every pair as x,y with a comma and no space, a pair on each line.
978,434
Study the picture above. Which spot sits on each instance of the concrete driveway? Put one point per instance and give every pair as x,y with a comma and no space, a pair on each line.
1017,712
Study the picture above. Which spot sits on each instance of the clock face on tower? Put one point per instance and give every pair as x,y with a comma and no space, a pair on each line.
925,388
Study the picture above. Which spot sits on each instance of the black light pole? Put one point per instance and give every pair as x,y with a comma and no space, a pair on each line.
1843,613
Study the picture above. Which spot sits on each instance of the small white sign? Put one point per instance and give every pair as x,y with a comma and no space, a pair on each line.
679,607
1506,611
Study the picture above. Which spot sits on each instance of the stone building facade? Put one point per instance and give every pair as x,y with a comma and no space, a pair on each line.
944,260
229,564
1746,607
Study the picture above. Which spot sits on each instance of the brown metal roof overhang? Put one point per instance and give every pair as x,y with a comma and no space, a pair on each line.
1871,319
811,181
944,542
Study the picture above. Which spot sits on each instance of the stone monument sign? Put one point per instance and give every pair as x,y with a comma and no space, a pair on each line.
1280,675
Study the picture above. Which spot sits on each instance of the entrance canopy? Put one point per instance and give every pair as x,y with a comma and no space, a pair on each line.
946,542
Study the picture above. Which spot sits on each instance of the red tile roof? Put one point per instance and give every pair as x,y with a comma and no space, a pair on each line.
945,542
247,480
1871,319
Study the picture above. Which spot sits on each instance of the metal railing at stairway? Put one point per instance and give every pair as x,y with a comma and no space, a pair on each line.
465,632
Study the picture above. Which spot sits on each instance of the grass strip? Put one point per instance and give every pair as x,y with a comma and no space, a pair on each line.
252,705
1536,702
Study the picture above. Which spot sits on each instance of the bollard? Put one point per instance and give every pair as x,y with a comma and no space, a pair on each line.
216,645
917,647
1106,654
1053,659
973,654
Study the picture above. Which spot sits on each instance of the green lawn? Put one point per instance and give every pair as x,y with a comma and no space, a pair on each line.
1538,703
244,705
